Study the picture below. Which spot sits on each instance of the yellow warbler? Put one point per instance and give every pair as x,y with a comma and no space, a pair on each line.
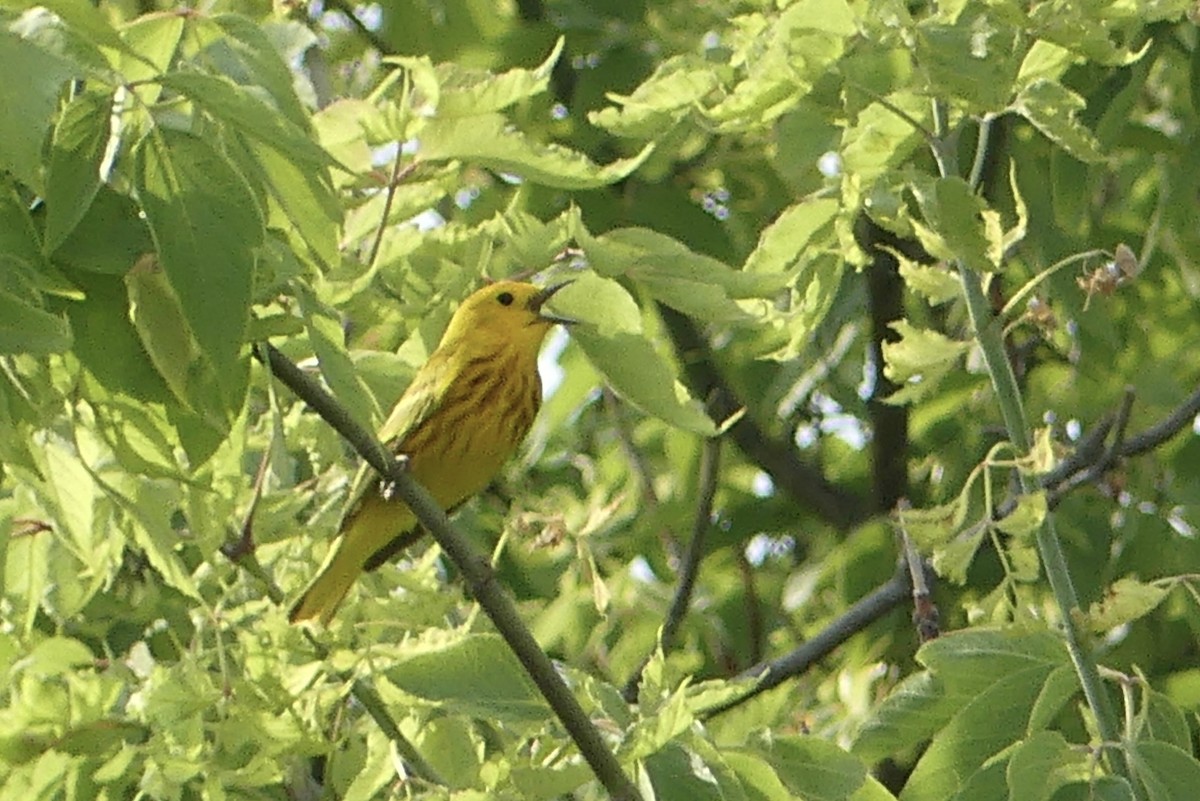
465,412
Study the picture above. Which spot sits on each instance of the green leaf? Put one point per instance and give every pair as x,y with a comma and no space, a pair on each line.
986,724
781,244
467,93
306,198
328,340
814,769
1167,772
150,515
1041,764
29,97
880,139
974,62
491,141
1162,720
76,152
960,226
675,274
676,774
474,675
1027,517
1125,601
601,303
660,101
26,328
158,318
637,373
109,238
758,778
919,354
1051,108
246,112
932,281
107,343
207,227
252,52
1098,788
56,656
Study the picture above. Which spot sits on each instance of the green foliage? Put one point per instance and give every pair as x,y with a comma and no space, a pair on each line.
885,251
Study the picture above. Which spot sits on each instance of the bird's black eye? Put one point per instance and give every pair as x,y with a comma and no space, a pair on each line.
505,298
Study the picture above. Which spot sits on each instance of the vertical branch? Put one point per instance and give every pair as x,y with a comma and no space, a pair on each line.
710,459
989,335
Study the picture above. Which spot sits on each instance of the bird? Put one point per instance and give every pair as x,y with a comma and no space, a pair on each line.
465,413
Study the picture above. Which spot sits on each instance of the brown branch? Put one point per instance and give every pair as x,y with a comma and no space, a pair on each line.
806,484
889,422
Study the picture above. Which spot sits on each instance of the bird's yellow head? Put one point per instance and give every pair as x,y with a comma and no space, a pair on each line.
507,314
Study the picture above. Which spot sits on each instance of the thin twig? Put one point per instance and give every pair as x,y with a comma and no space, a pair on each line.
754,617
475,570
866,611
710,468
925,612
236,550
398,174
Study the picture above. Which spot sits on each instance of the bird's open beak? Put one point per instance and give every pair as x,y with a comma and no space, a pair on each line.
539,300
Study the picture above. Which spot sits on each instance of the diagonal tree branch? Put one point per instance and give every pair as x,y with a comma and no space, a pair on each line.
474,568
806,484
891,594
866,611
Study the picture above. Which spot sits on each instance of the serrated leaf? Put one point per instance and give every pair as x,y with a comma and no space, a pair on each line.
952,560
960,220
491,141
661,100
920,352
467,93
973,64
76,152
932,281
933,526
1051,108
1125,601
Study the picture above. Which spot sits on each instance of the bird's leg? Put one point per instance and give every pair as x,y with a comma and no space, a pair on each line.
388,488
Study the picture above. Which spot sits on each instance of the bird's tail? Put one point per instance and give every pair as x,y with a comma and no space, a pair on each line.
325,593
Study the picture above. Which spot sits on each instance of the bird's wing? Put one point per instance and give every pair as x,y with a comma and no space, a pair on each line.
423,395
